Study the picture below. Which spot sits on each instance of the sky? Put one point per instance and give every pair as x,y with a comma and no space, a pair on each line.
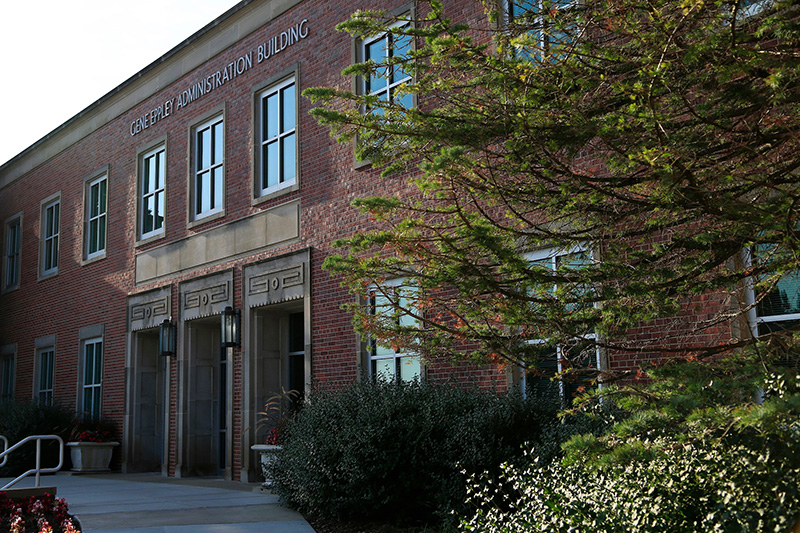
57,57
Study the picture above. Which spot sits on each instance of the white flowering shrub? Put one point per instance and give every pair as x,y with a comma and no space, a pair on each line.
691,488
701,458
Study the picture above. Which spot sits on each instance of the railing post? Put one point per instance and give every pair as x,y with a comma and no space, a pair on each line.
5,447
38,460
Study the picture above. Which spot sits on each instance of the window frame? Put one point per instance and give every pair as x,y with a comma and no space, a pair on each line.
12,259
261,92
396,357
552,255
543,43
754,319
90,220
358,56
753,8
49,242
7,374
207,123
143,155
45,372
389,49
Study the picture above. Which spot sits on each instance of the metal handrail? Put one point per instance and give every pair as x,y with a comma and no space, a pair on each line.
38,470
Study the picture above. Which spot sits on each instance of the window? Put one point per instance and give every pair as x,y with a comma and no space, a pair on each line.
779,308
152,195
749,8
6,377
387,78
776,306
209,166
536,18
386,361
277,138
92,378
47,359
576,353
95,213
50,232
13,247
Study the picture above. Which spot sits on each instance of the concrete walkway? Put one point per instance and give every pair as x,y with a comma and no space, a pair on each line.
150,503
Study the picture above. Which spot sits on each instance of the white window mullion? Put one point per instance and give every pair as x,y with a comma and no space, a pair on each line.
209,166
278,138
152,196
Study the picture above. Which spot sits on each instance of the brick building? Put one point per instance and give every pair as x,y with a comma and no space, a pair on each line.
199,184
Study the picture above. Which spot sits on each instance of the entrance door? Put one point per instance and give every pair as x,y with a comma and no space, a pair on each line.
280,356
207,409
147,447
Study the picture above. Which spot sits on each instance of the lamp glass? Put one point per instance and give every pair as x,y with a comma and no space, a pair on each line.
166,338
230,328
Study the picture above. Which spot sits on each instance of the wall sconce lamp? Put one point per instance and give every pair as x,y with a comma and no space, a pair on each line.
231,334
166,339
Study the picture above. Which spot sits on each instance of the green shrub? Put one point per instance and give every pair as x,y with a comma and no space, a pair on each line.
400,452
20,419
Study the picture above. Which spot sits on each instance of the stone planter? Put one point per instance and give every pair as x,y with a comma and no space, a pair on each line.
268,452
91,456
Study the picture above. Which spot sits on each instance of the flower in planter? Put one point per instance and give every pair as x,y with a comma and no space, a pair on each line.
275,436
94,431
280,408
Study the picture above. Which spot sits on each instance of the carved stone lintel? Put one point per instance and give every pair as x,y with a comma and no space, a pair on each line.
149,309
206,296
278,280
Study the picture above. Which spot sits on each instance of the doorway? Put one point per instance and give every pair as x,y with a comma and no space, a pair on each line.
148,414
207,406
280,358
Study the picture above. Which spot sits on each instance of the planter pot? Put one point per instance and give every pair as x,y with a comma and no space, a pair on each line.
268,453
91,456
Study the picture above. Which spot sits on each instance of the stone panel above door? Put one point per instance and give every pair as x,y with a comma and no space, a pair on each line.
206,296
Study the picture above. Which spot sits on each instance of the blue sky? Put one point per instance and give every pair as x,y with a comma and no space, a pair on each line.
58,57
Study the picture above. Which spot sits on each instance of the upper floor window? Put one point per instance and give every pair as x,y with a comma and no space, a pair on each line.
393,302
749,8
209,168
51,220
385,80
152,195
539,19
96,206
277,160
13,248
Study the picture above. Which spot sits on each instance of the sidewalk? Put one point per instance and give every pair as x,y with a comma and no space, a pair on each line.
150,503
